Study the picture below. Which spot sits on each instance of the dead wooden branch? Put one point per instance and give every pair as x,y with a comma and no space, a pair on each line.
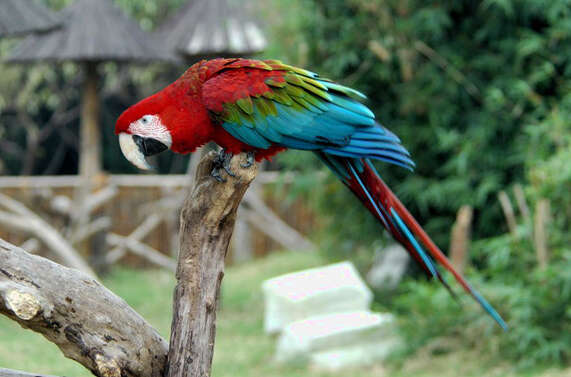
521,202
207,222
265,220
540,238
98,225
138,234
99,198
24,220
508,210
523,210
142,250
85,320
460,239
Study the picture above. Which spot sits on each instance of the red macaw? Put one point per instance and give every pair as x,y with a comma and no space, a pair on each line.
265,107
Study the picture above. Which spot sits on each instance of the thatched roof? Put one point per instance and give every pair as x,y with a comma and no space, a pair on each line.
24,16
93,30
203,28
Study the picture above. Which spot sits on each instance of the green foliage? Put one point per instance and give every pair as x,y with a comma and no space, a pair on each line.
458,81
479,93
534,302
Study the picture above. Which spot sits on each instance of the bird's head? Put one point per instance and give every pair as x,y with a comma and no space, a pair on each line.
144,131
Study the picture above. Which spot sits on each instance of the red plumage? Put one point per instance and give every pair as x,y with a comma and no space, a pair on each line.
187,113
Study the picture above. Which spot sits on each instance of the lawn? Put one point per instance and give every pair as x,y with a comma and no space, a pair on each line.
242,348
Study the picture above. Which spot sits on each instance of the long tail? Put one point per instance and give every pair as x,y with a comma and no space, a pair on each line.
360,176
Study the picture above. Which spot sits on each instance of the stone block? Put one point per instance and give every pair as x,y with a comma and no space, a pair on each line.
331,289
339,340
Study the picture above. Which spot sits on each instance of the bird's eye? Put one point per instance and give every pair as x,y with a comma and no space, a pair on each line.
145,119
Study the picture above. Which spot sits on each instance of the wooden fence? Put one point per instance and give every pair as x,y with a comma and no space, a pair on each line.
140,212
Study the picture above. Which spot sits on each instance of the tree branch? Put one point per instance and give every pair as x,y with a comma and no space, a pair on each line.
17,373
86,321
24,220
142,250
207,222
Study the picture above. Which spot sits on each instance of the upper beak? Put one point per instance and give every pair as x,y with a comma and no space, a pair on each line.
135,148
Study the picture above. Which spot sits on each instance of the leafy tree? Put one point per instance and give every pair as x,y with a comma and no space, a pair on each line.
479,93
462,83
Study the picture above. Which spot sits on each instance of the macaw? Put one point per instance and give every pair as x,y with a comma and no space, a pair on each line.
265,107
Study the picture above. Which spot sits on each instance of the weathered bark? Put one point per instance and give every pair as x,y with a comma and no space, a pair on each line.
207,221
85,320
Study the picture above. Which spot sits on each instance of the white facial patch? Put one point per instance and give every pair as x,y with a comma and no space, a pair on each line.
150,126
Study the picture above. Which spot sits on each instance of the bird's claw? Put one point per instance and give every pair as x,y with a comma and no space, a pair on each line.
249,160
222,161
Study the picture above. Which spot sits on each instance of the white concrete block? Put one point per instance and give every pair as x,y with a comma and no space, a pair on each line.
300,295
338,340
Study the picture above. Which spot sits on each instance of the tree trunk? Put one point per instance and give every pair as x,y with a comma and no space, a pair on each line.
207,222
89,157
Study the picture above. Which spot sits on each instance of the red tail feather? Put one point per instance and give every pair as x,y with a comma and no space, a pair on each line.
367,185
386,199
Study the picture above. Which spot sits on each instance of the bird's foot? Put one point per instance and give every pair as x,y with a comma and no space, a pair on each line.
222,161
249,160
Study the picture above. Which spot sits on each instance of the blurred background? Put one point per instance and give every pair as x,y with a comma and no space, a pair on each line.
478,91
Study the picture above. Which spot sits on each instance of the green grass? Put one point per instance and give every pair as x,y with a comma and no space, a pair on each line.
242,348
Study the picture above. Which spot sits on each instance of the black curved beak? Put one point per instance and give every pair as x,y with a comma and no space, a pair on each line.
148,146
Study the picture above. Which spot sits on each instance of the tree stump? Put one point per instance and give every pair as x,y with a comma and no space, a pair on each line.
207,222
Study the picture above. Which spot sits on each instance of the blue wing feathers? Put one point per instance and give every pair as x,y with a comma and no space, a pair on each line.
348,116
252,135
342,126
295,143
353,106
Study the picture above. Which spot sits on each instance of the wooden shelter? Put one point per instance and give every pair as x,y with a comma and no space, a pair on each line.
93,31
18,17
208,28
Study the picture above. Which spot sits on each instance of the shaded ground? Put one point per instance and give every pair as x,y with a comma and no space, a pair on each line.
242,349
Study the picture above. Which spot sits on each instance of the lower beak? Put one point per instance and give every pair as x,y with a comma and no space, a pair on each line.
135,148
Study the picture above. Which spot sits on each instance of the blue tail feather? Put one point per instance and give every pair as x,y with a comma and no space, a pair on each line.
407,233
366,191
